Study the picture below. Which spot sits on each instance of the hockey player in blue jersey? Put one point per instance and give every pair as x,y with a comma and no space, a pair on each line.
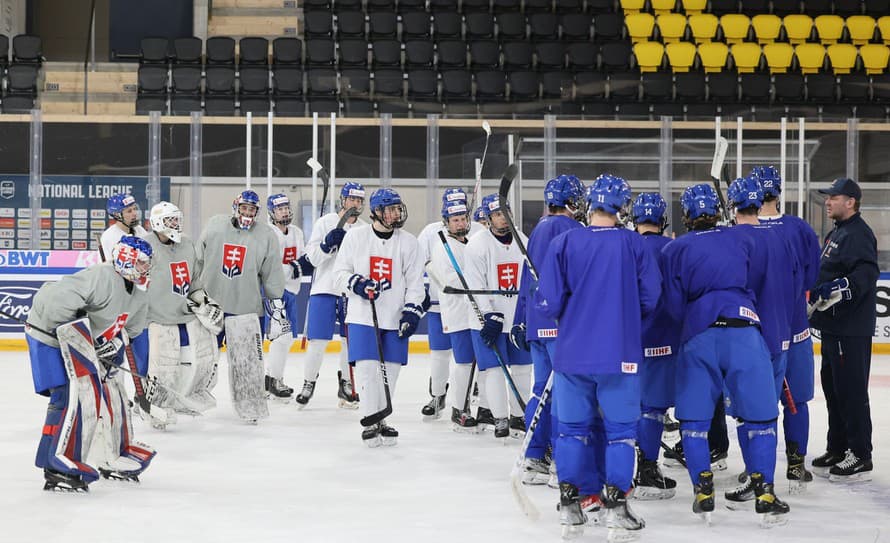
598,283
660,342
706,287
532,331
799,371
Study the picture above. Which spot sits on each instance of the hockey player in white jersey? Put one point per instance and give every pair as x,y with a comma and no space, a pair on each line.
380,262
240,266
125,212
74,363
182,321
325,298
294,265
493,262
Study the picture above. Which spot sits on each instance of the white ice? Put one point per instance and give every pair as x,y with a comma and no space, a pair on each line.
305,476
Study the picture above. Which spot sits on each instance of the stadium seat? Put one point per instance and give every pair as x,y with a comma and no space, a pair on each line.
779,57
344,5
861,28
186,80
798,28
419,54
657,87
713,56
253,51
810,57
846,8
470,6
423,85
151,80
447,25
27,49
355,84
766,28
318,24
511,26
451,54
624,86
747,57
881,88
671,27
321,82
480,26
556,85
582,57
681,56
351,24
503,6
524,86
693,7
639,26
616,56
386,54
416,25
663,7
854,87
843,57
755,87
607,27
144,104
874,58
220,51
388,6
443,6
690,87
456,86
484,55
576,26
871,112
703,27
382,25
254,89
600,6
735,27
353,53
877,8
561,6
722,7
287,82
884,28
518,55
632,6
830,28
544,26
290,107
789,87
287,52
785,7
754,7
590,86
411,6
188,50
821,87
320,52
723,86
4,52
649,55
152,50
815,8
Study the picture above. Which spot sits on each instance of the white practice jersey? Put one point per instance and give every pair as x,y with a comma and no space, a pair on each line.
455,308
429,240
239,266
113,234
396,260
174,274
491,265
291,249
323,280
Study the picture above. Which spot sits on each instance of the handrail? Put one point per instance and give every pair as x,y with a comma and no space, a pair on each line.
86,56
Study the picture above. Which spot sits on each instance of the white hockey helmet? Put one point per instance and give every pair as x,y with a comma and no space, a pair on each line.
131,257
166,219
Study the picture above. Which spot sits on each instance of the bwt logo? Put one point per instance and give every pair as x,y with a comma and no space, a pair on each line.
15,302
30,259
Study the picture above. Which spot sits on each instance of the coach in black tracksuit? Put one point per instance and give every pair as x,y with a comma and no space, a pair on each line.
849,270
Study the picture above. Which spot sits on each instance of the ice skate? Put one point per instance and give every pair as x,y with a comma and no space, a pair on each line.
593,508
306,394
703,501
371,436
433,410
822,464
484,417
797,474
851,470
651,484
535,471
276,389
737,498
63,482
676,458
517,427
772,510
671,426
502,428
553,482
571,517
463,422
389,436
348,399
622,522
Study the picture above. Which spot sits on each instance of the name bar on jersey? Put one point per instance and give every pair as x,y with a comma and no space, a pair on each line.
547,332
801,336
651,352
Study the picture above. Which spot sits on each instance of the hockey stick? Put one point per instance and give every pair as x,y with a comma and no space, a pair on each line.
716,170
506,182
317,168
477,188
494,347
374,418
789,399
451,290
528,508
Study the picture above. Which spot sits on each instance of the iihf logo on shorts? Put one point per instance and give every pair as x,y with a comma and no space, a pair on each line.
290,254
381,271
182,280
233,260
508,276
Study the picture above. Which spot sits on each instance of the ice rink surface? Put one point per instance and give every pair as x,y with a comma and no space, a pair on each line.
305,476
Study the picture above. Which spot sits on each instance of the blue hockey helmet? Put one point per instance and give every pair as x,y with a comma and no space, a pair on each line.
381,200
116,205
745,192
131,258
649,207
245,219
490,204
352,189
700,200
479,215
770,179
454,194
564,191
456,209
608,193
280,212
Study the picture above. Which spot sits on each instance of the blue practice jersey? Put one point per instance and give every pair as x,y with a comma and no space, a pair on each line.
806,245
661,332
539,326
598,283
706,277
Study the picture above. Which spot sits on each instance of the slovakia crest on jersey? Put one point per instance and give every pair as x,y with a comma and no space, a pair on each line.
290,254
381,269
233,259
182,279
508,276
109,333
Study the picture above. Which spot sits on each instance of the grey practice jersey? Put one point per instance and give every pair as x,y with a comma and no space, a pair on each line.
237,265
174,274
98,293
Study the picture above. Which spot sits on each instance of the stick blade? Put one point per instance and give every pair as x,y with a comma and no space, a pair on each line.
507,180
522,500
719,156
374,418
314,164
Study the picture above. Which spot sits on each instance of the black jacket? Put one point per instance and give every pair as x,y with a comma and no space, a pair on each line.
851,251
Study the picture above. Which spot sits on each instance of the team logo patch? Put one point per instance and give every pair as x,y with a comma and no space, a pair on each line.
233,260
290,254
508,276
182,280
381,269
114,329
628,367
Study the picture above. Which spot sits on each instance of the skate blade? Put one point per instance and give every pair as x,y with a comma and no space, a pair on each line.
301,406
119,477
862,477
705,517
617,535
389,441
719,465
553,483
739,506
251,422
648,493
282,399
570,531
797,487
517,434
465,429
373,443
55,487
768,521
672,463
431,418
535,479
345,404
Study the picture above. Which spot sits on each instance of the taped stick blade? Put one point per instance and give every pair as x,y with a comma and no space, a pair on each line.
719,157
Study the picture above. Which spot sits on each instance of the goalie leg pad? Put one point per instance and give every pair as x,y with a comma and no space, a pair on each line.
244,346
115,434
164,361
204,364
61,446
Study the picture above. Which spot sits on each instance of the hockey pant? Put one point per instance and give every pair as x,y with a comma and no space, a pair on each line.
369,380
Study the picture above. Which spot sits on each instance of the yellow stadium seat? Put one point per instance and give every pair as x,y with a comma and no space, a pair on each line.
632,6
639,26
861,28
874,57
798,28
713,56
661,7
747,57
843,57
830,28
694,7
650,55
779,57
704,27
672,27
735,27
884,27
810,57
766,28
681,56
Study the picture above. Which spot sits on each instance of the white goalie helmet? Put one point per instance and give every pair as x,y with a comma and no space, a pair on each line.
166,219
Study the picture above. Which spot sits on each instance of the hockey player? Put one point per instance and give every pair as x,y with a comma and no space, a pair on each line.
125,212
706,288
585,270
240,266
660,342
799,371
380,267
182,352
325,296
87,421
493,261
295,265
480,217
532,331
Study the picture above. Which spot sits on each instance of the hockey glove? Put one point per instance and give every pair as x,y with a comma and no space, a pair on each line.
492,328
208,312
825,290
365,287
107,351
301,267
333,240
426,303
517,337
411,314
278,322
